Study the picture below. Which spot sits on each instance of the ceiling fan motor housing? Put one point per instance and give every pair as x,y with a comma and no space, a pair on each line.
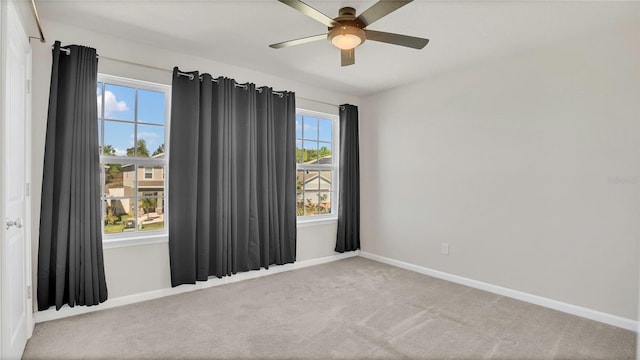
348,26
347,12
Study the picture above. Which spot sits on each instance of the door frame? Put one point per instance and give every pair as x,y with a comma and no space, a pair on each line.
9,24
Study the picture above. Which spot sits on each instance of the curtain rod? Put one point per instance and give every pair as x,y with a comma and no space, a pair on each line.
244,86
317,101
68,51
37,18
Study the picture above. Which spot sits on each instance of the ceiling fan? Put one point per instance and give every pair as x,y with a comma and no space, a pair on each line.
347,31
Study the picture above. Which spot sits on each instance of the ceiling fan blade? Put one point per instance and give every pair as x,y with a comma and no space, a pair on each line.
348,57
310,12
396,39
381,9
303,40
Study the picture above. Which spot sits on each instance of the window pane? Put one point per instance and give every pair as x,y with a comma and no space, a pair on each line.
119,180
303,177
311,202
298,126
119,102
324,153
310,152
118,138
312,180
150,141
324,182
100,137
99,100
325,130
300,206
119,216
152,186
310,128
151,106
300,181
151,211
326,188
310,183
325,202
299,152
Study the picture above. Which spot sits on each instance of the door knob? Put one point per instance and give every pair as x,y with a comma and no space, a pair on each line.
17,223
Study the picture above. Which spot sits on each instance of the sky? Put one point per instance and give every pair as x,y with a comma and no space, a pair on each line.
313,133
120,104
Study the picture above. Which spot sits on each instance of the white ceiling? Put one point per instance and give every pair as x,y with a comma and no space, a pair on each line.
239,31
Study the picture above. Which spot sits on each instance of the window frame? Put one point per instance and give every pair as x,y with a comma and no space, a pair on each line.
136,237
334,167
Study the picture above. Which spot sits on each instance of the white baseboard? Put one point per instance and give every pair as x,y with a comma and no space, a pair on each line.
599,316
610,319
66,311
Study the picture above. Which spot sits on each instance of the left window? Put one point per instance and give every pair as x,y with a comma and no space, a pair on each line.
133,123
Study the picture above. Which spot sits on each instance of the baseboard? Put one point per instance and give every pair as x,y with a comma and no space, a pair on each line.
613,320
599,316
67,311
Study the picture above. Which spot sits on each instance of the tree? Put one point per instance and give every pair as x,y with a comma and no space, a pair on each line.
299,187
159,150
111,217
107,150
306,155
113,175
324,152
147,204
322,206
141,148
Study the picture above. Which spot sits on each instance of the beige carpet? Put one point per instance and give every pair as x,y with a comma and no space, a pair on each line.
349,309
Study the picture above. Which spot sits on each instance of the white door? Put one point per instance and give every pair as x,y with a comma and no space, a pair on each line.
14,242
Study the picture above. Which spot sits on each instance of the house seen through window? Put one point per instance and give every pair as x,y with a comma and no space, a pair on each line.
317,168
133,126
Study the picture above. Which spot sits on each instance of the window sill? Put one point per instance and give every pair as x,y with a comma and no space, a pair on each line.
314,222
118,242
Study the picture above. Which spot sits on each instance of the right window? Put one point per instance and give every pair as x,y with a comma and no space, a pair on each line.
317,164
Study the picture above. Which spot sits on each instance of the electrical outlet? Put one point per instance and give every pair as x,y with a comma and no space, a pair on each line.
444,248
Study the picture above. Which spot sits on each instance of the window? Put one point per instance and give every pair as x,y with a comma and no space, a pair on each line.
317,168
133,130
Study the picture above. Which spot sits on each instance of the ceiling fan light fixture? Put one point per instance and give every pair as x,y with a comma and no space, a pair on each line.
346,37
348,31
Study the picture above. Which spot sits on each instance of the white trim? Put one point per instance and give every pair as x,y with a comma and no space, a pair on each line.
12,31
599,316
29,193
334,167
118,242
113,240
67,311
306,221
595,315
135,83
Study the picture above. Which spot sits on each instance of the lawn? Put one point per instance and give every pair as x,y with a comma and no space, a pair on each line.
118,227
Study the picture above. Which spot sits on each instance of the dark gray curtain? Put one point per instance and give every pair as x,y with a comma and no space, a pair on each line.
348,238
231,178
70,265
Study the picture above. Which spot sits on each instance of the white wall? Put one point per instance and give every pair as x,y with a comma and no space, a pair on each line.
526,165
135,269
